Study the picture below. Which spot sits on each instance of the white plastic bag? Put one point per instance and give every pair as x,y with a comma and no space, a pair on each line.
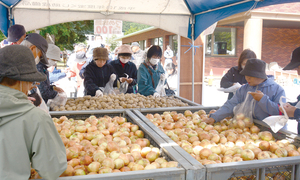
43,105
59,100
109,89
246,108
124,86
281,121
233,88
160,88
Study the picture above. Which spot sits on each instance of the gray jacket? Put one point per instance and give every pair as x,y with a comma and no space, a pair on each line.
28,135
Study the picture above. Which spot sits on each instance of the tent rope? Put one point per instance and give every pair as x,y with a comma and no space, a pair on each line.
165,6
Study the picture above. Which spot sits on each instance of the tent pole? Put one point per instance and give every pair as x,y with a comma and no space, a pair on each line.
193,56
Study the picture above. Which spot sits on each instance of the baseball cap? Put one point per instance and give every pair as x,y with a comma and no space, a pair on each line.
41,43
15,32
295,60
17,62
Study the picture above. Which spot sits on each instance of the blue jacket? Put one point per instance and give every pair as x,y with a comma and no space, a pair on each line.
268,104
96,77
129,69
144,79
56,75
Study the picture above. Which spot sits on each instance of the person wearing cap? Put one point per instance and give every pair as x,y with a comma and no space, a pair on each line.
53,56
168,54
150,72
79,62
97,73
125,69
38,46
16,34
293,109
138,54
27,134
262,89
78,55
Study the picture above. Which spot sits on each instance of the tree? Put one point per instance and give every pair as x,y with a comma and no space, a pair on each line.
112,42
2,37
67,34
130,27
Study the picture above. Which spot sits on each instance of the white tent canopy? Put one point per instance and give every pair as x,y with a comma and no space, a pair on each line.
170,15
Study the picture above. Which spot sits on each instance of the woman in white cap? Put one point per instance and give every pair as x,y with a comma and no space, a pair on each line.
265,92
28,137
125,69
53,56
293,109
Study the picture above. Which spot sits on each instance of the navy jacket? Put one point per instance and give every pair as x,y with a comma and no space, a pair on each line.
129,69
45,88
95,77
232,76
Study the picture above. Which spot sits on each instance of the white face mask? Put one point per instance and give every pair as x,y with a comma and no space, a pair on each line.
243,67
37,60
154,61
123,60
51,62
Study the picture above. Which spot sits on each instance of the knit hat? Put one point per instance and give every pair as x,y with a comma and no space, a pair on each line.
295,60
100,53
255,68
124,49
40,43
15,32
53,52
17,62
135,44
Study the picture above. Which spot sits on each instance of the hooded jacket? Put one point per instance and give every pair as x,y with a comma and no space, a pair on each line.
28,135
267,106
95,77
144,79
129,69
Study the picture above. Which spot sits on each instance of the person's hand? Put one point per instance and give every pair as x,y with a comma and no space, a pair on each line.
289,109
129,80
209,121
32,99
162,76
257,95
156,95
59,90
113,77
123,79
98,93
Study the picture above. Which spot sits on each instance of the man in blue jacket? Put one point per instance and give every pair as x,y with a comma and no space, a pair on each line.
293,109
264,91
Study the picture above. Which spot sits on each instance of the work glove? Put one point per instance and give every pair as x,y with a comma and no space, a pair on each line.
156,95
113,77
98,93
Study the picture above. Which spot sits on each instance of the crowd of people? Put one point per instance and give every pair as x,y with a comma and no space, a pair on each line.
28,70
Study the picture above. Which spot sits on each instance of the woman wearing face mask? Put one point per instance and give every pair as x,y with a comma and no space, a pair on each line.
98,73
39,46
124,67
233,75
150,72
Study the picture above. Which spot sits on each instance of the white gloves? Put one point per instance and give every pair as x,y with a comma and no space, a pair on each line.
113,77
162,76
98,93
156,94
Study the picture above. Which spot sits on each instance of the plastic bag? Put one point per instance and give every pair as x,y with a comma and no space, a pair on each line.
246,108
59,100
124,86
281,121
109,89
232,89
160,88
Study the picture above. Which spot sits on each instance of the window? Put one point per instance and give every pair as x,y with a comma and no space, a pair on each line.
158,41
222,42
142,44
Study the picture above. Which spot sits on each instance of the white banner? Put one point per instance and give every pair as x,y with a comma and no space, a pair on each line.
107,26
